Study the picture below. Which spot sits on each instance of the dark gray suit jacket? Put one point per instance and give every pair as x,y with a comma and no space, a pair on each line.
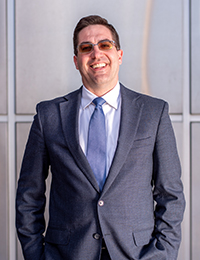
142,202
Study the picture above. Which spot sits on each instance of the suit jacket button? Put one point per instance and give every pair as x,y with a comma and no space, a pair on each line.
96,236
101,203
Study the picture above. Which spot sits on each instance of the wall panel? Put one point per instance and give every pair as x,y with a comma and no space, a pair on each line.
165,50
152,42
195,56
195,190
3,192
3,90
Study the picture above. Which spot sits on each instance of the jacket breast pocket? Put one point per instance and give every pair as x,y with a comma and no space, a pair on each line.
143,237
57,236
142,142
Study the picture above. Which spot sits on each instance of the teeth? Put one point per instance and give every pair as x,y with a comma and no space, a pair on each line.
99,65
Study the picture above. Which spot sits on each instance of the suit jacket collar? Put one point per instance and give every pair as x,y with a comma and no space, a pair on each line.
130,116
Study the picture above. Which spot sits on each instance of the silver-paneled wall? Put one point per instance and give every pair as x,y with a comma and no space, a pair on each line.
161,42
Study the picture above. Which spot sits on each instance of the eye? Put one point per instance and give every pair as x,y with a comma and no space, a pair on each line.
85,48
105,45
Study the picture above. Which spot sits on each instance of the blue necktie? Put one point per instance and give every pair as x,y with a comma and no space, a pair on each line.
96,147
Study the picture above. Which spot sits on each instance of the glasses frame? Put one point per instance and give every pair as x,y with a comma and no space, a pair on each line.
94,44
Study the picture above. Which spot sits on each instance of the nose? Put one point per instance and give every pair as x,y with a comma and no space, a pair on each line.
96,52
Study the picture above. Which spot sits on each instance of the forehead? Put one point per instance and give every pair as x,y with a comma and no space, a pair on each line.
94,33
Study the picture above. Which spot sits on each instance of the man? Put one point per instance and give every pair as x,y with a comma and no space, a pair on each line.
116,191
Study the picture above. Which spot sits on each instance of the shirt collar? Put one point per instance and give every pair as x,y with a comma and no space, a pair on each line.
112,97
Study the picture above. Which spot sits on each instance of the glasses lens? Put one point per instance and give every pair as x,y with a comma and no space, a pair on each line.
85,47
105,45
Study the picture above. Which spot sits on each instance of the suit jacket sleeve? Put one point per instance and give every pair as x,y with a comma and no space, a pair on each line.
167,193
30,199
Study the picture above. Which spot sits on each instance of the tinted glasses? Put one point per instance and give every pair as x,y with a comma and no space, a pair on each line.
104,45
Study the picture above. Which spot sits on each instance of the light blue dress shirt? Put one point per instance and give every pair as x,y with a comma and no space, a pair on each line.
112,112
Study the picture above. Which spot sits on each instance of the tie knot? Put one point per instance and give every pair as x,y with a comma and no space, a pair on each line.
98,101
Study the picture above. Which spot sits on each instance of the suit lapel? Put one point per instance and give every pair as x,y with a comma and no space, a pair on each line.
130,116
69,111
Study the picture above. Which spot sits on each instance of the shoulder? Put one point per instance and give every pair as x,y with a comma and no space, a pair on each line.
148,102
48,105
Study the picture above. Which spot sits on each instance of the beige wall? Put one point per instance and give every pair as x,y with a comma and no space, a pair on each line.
161,42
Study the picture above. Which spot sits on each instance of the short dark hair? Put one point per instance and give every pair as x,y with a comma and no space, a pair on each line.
93,20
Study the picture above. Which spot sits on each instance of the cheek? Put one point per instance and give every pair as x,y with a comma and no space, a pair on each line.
82,64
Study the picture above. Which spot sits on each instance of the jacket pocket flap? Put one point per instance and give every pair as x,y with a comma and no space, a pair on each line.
57,236
142,237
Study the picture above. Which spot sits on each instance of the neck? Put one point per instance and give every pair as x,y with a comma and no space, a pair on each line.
100,91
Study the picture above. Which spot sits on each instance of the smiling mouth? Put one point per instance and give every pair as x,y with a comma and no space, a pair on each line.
98,65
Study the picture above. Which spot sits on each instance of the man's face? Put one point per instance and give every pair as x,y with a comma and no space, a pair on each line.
99,69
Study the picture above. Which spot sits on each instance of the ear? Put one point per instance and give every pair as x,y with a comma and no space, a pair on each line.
120,55
76,62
